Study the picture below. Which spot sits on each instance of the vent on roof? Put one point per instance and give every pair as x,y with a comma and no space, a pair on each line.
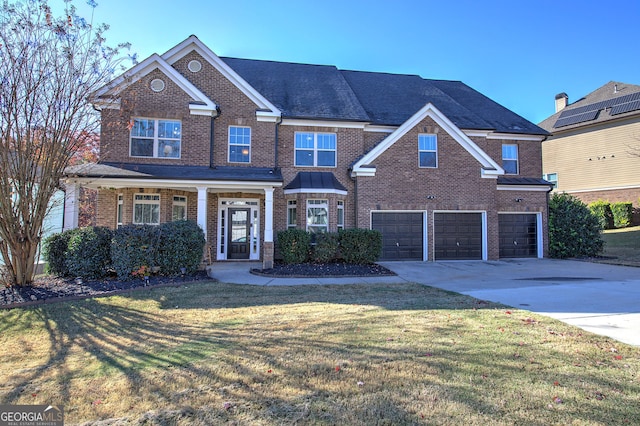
157,85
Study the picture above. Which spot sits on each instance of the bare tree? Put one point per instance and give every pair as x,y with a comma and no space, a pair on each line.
49,66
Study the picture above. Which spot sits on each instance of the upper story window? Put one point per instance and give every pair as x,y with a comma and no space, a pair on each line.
428,150
315,150
179,208
510,159
155,138
239,144
146,209
551,177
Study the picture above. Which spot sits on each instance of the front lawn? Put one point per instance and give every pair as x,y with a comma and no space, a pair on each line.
212,353
622,246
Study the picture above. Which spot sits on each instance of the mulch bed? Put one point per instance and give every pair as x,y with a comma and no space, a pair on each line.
49,289
323,270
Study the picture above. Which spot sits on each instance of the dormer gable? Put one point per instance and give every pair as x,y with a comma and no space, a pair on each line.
108,96
489,168
265,110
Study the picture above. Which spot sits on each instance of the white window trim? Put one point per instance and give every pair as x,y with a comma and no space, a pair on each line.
120,210
182,203
554,181
428,150
292,205
340,208
223,206
239,145
150,202
323,203
517,159
156,139
315,150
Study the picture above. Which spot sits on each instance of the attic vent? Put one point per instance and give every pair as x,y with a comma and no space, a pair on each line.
157,85
194,66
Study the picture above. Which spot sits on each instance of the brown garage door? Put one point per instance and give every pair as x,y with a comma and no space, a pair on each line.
518,235
458,236
402,234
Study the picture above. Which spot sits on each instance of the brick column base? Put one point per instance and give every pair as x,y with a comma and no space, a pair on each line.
267,255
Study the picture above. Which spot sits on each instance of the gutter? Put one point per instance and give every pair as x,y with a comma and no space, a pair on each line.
212,138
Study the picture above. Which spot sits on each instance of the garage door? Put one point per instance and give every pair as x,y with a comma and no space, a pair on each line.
518,235
402,234
458,236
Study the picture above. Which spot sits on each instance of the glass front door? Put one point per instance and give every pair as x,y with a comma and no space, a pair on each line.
239,233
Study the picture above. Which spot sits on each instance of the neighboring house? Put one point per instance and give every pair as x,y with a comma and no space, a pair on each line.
248,148
593,152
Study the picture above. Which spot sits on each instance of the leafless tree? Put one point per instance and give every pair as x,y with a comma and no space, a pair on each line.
49,66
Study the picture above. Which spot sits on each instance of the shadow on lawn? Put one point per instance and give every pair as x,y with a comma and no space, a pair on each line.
245,362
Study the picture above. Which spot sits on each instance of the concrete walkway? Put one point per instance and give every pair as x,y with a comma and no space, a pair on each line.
603,299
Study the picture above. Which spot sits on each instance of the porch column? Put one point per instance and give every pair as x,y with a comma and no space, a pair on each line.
202,209
268,250
71,206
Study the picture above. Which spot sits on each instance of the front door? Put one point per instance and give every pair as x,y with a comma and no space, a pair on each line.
240,233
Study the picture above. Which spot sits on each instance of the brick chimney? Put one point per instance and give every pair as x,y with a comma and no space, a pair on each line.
562,99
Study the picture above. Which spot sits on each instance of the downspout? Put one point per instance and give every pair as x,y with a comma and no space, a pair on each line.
355,199
212,138
276,142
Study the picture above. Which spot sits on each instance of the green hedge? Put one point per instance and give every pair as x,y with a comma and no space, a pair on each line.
294,245
602,210
622,214
54,251
88,252
360,246
573,229
134,247
181,245
326,248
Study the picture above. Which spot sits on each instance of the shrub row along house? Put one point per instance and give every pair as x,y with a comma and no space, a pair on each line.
248,148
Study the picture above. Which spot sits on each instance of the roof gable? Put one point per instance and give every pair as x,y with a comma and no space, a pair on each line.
265,107
106,97
489,167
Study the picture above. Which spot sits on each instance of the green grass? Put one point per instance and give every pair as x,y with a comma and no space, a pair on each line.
214,353
622,246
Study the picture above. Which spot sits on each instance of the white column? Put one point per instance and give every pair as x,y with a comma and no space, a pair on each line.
268,215
71,206
202,209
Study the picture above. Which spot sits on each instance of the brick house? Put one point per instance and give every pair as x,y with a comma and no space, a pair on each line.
248,148
593,151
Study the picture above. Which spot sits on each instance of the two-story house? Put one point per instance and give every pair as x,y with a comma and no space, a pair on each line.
593,151
248,148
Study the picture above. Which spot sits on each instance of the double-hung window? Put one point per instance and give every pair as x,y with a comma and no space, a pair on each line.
155,138
292,214
428,150
179,209
317,216
146,209
551,177
239,144
510,159
315,149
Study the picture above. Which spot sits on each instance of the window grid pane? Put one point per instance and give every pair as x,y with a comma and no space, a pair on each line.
239,144
428,151
155,138
315,149
510,159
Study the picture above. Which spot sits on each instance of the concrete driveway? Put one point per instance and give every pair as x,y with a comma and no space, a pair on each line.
603,299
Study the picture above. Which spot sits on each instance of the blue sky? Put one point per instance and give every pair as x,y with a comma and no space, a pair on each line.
520,53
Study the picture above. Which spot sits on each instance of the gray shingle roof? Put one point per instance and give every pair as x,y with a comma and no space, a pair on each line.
325,92
155,171
609,91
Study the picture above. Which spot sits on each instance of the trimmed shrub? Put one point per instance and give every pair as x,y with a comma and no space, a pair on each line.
622,214
132,247
602,210
54,251
294,245
326,248
88,252
181,245
573,229
360,246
